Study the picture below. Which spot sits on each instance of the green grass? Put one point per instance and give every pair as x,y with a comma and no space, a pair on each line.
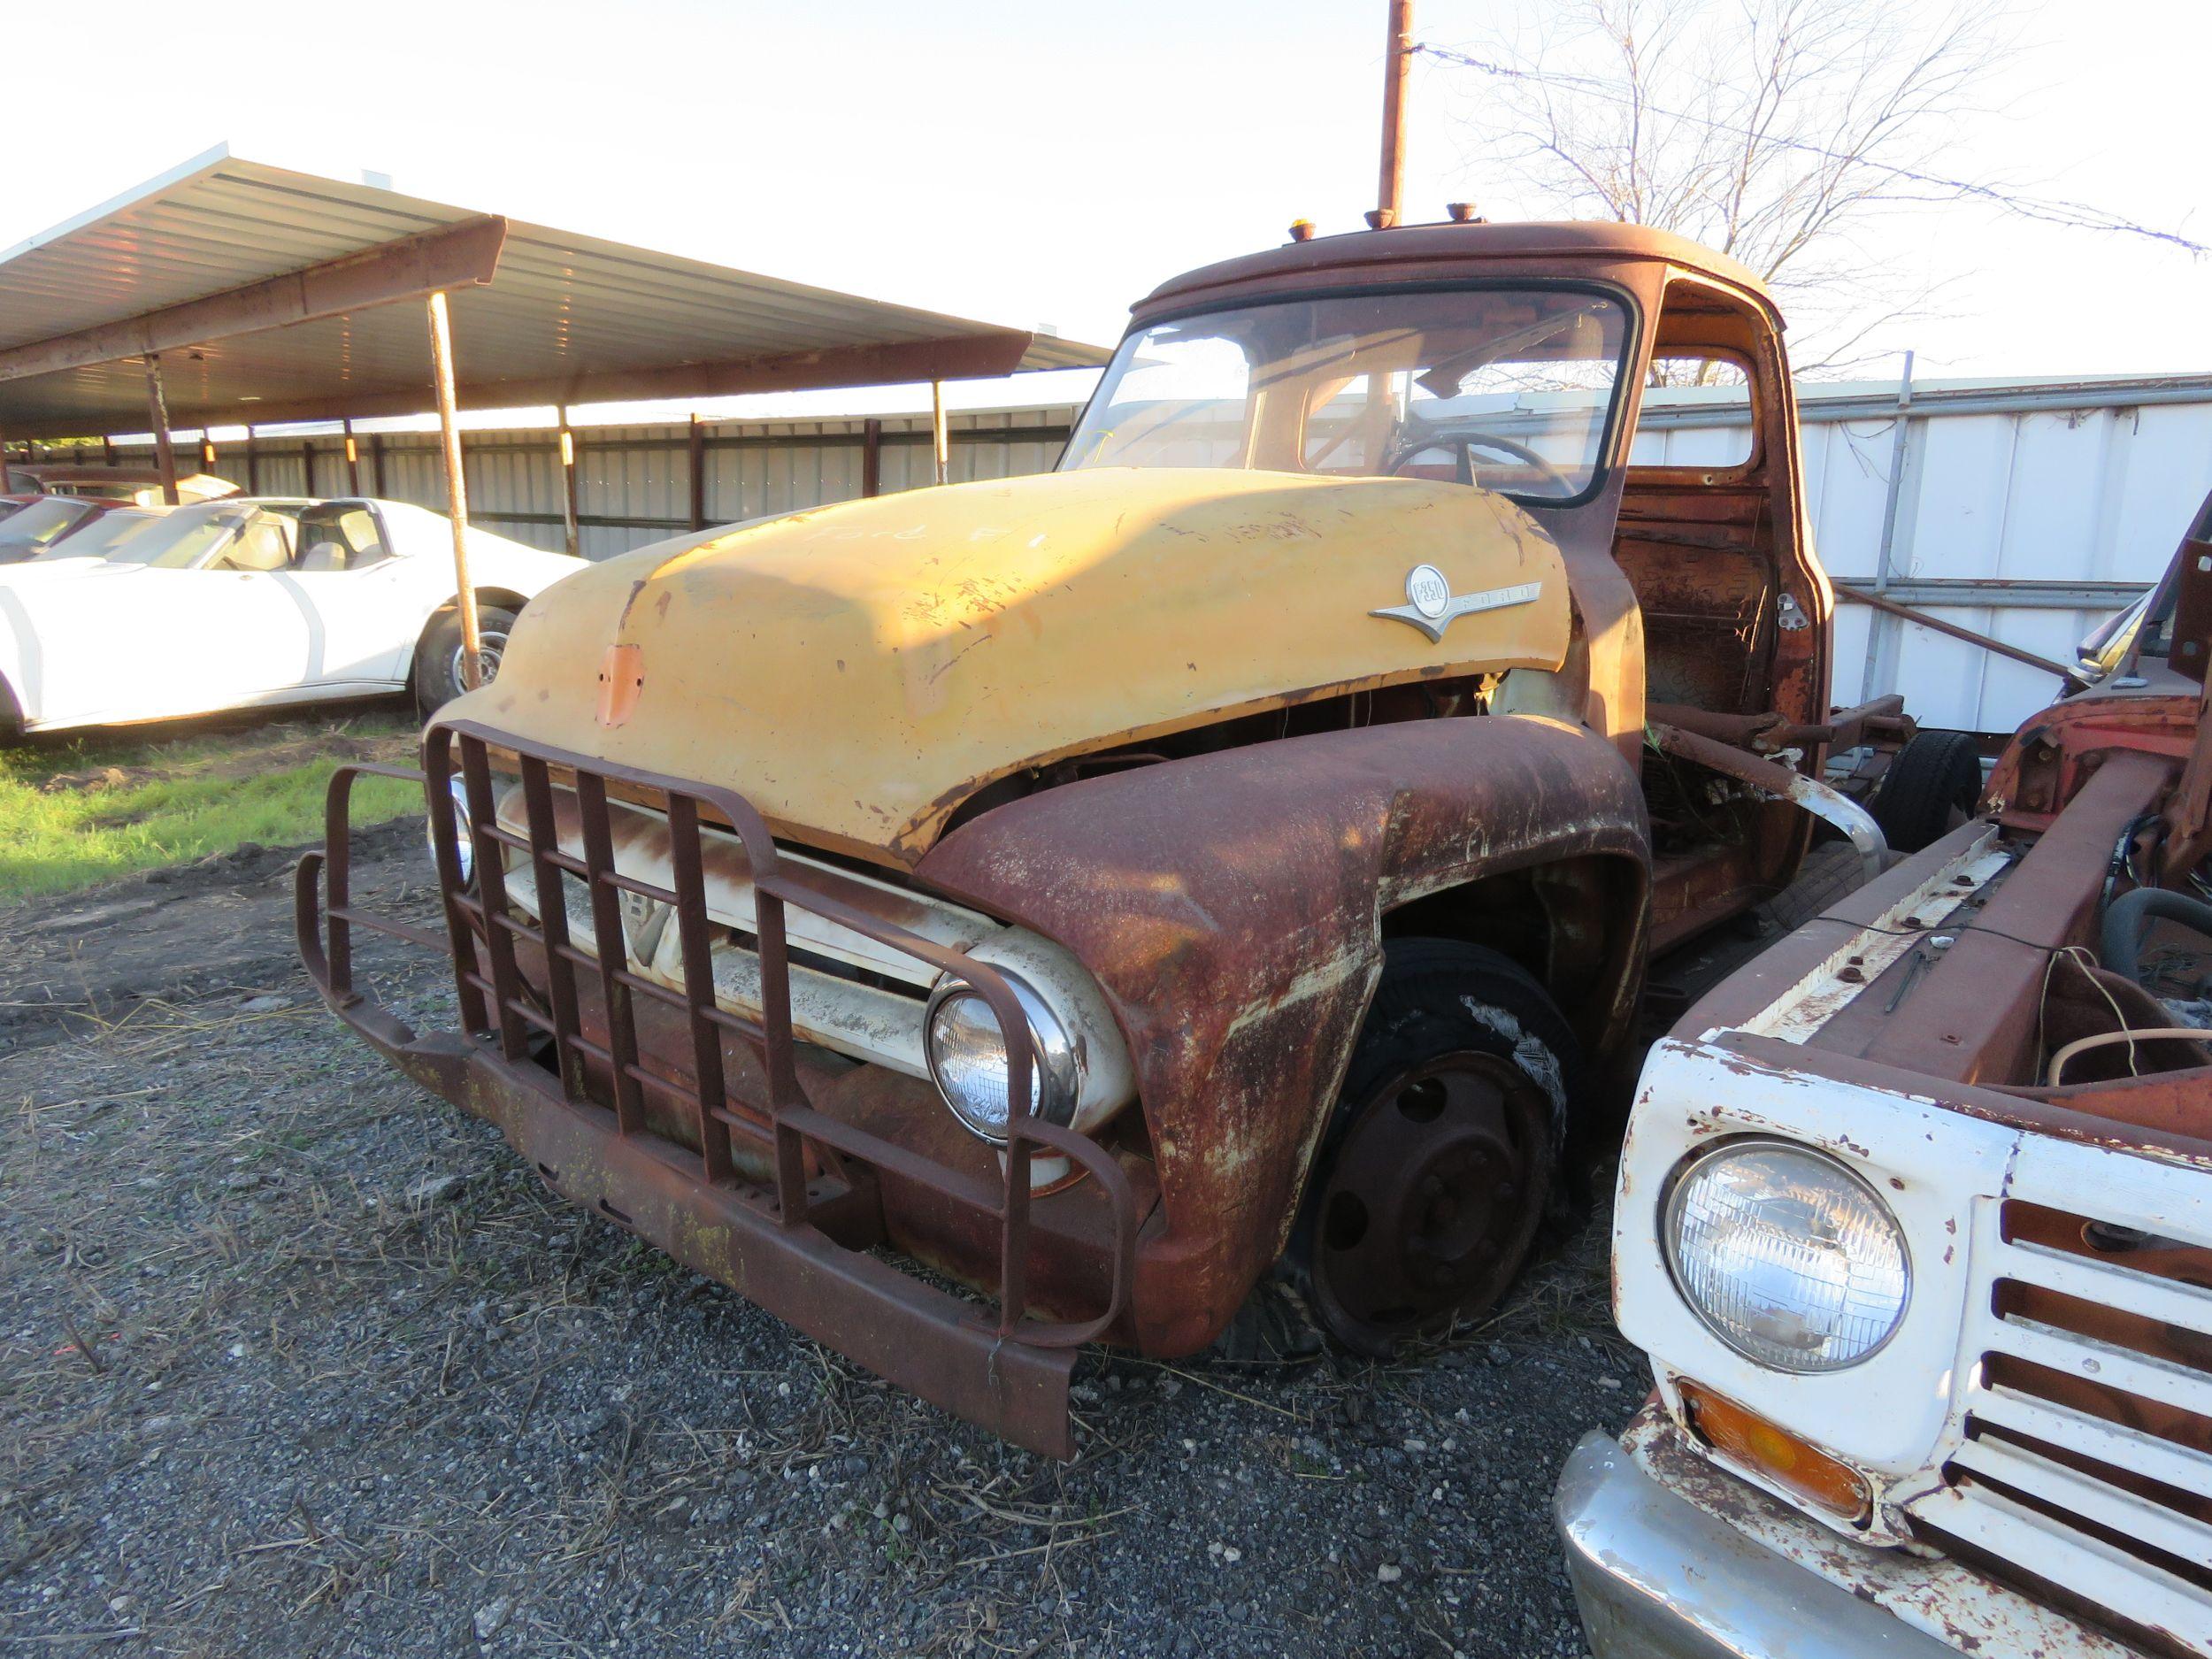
68,820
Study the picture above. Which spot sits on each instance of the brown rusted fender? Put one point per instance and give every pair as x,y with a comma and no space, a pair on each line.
1232,907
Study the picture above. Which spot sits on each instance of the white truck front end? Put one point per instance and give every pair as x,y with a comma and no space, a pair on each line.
1932,1359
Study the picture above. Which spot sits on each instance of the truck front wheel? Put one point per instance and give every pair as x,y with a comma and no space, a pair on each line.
1440,1159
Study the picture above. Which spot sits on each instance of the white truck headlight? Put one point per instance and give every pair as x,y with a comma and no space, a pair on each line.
967,1058
1786,1255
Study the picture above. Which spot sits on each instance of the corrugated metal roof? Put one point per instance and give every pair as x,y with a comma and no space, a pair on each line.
563,307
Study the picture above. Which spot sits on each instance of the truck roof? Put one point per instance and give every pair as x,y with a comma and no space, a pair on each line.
1410,252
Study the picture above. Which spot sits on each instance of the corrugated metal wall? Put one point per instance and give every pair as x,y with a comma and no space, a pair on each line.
2026,512
2034,522
634,483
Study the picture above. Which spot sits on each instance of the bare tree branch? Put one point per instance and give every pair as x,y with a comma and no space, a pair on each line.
1781,132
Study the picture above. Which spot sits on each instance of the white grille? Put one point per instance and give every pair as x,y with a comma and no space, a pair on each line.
2148,1563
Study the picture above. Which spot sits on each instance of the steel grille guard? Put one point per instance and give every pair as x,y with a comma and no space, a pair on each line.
1007,1372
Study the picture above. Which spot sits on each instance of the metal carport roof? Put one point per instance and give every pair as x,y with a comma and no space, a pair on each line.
260,287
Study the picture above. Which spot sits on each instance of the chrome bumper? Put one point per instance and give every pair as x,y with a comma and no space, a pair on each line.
1658,1577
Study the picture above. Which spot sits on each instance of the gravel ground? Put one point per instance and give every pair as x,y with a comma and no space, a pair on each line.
296,1359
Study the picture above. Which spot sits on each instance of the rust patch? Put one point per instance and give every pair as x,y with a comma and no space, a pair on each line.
621,680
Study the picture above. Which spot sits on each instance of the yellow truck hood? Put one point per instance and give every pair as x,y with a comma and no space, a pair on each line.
857,671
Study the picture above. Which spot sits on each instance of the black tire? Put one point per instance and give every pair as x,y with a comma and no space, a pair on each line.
1930,787
438,653
1438,1163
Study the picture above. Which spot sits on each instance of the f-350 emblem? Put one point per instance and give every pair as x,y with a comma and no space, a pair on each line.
1432,607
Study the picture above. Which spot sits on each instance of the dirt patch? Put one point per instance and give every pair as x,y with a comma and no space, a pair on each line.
334,746
79,963
296,1360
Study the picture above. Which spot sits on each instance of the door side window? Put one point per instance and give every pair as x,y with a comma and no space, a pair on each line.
259,545
344,536
1703,402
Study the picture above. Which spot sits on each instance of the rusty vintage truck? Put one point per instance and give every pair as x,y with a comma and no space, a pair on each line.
1915,1221
1233,854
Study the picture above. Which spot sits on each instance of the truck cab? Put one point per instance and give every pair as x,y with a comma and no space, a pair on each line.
1227,861
1915,1222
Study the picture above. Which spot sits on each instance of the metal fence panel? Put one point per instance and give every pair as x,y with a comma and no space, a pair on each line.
2080,484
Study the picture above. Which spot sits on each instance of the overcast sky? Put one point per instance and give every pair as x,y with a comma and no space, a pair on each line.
1046,163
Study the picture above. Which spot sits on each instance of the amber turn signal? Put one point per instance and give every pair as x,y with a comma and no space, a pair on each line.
1748,1439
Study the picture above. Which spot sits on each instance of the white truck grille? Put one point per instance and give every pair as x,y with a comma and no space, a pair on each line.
2085,1392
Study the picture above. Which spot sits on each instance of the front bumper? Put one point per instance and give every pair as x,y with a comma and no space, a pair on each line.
1675,1558
1672,1558
588,1068
1658,1577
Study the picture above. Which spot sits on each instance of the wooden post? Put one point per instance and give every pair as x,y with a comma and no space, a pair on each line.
938,434
1397,69
353,461
568,483
698,449
872,457
158,412
455,490
376,463
253,466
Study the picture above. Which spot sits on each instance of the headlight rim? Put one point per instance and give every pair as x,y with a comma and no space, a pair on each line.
1670,1198
1055,1057
464,830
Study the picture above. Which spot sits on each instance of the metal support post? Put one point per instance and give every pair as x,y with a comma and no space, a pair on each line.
568,484
1397,69
455,490
157,413
938,436
698,453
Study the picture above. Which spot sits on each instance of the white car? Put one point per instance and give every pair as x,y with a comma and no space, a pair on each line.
241,602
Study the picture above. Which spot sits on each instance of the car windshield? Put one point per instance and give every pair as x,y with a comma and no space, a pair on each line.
100,538
182,539
38,525
1512,389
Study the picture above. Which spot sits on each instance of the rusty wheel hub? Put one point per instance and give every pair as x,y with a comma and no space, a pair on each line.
1432,1201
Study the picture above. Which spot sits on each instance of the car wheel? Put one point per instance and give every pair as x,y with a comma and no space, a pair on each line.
1440,1160
1930,788
438,656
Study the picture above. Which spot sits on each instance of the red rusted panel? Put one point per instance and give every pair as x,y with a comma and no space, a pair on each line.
1231,906
1972,1015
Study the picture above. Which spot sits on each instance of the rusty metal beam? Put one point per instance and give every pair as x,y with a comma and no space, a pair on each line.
871,457
1891,608
952,357
454,256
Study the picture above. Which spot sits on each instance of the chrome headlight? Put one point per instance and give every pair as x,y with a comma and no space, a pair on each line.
1786,1254
456,792
967,1058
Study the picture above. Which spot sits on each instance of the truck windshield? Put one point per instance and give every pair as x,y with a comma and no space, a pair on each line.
1510,388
